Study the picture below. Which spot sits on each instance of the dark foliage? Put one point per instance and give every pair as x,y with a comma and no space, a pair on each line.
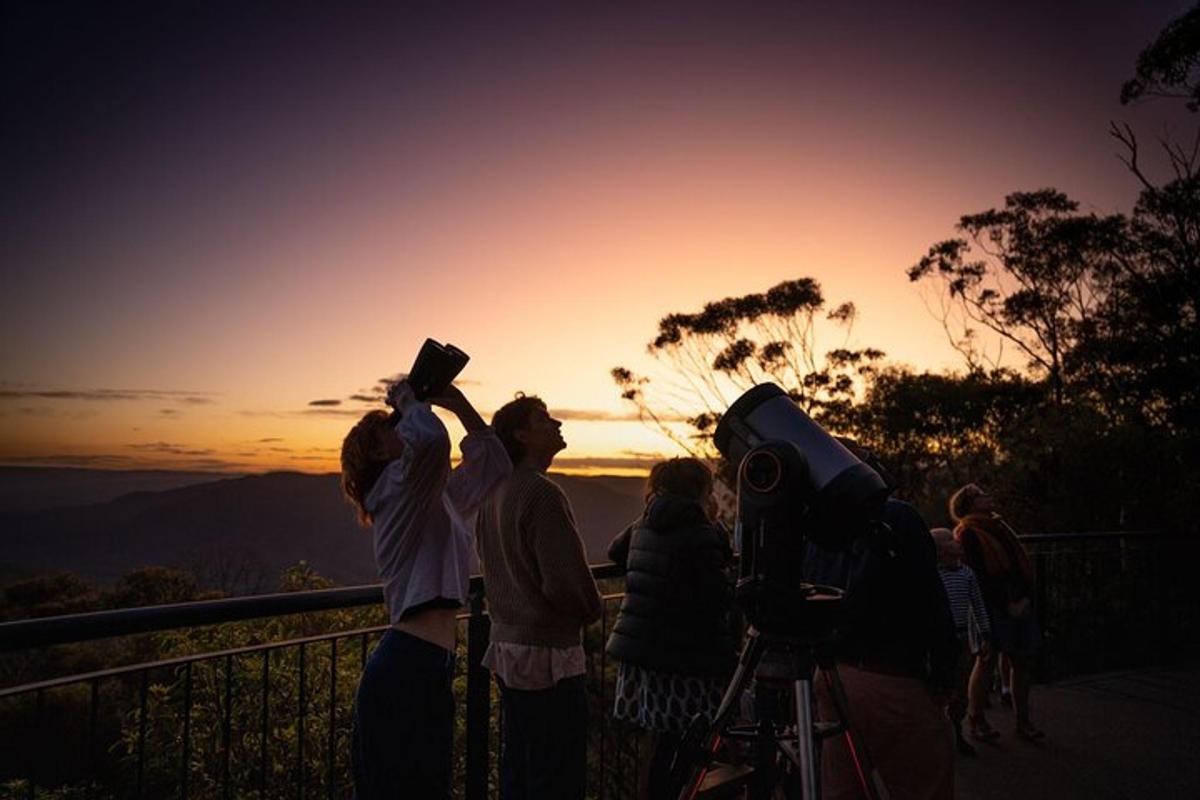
1168,67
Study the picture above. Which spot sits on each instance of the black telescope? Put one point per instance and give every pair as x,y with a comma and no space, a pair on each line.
802,496
796,485
837,489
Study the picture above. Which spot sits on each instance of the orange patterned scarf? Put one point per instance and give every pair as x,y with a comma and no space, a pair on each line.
999,545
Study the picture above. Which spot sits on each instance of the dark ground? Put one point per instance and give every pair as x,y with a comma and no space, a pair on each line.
1133,734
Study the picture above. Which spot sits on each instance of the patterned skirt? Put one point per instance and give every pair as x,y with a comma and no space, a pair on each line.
664,701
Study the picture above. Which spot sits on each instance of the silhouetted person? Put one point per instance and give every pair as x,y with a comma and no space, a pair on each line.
672,636
971,624
398,478
540,595
991,548
896,656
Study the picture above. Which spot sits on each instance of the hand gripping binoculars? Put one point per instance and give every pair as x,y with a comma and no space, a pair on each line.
435,367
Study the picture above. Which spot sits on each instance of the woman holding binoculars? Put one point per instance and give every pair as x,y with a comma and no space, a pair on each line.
397,475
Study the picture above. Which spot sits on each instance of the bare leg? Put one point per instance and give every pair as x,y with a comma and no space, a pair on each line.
977,688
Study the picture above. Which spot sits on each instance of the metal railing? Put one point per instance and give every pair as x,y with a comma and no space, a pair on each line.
249,715
1110,600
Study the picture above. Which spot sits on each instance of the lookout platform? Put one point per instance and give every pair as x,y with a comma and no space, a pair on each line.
1113,736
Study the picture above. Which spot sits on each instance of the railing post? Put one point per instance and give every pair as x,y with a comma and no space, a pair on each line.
479,699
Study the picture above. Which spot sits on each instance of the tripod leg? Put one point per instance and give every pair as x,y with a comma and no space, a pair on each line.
805,745
700,754
869,778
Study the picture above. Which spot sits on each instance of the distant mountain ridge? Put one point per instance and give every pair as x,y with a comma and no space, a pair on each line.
25,489
235,533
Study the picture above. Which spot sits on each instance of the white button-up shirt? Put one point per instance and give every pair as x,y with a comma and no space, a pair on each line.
420,508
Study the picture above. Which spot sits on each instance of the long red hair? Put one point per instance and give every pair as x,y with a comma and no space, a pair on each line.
363,460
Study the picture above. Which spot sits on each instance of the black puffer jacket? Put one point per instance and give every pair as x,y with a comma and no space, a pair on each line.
676,612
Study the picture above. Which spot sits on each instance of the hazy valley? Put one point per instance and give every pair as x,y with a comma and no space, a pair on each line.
235,533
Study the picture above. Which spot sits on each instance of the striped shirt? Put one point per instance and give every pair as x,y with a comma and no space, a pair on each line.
966,601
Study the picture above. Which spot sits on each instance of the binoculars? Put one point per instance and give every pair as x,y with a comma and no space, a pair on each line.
435,367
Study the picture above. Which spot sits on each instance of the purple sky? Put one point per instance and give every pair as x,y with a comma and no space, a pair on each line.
266,207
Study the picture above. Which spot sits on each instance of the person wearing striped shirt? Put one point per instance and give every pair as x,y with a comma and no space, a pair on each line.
971,624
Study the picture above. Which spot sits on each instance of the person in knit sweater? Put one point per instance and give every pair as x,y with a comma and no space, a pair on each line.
540,595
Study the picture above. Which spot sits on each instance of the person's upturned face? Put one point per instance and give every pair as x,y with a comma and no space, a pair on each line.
542,435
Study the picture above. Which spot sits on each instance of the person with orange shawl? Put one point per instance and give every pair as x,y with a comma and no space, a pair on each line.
1005,572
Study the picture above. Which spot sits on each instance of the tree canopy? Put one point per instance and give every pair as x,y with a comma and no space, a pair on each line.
1168,67
1094,424
712,355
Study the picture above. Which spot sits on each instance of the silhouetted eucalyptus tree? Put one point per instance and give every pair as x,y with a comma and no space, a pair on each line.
1034,273
1170,66
714,354
1143,352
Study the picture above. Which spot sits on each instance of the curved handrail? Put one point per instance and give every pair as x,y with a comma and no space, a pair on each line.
70,628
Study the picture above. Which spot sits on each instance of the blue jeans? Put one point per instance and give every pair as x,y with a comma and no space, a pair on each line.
544,755
403,739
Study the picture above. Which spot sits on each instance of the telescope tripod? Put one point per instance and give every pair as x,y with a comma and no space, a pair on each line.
787,751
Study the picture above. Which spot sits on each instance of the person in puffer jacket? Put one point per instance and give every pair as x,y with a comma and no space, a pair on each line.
673,636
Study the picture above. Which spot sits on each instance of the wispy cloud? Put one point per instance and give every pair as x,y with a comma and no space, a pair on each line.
331,412
384,383
645,455
377,393
318,411
268,440
167,448
592,415
110,395
122,461
602,463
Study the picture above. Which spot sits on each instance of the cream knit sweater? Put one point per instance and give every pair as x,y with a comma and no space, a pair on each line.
535,572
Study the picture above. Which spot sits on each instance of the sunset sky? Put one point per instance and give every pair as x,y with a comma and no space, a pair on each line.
213,218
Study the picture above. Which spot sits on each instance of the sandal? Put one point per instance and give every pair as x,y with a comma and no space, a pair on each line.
981,729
